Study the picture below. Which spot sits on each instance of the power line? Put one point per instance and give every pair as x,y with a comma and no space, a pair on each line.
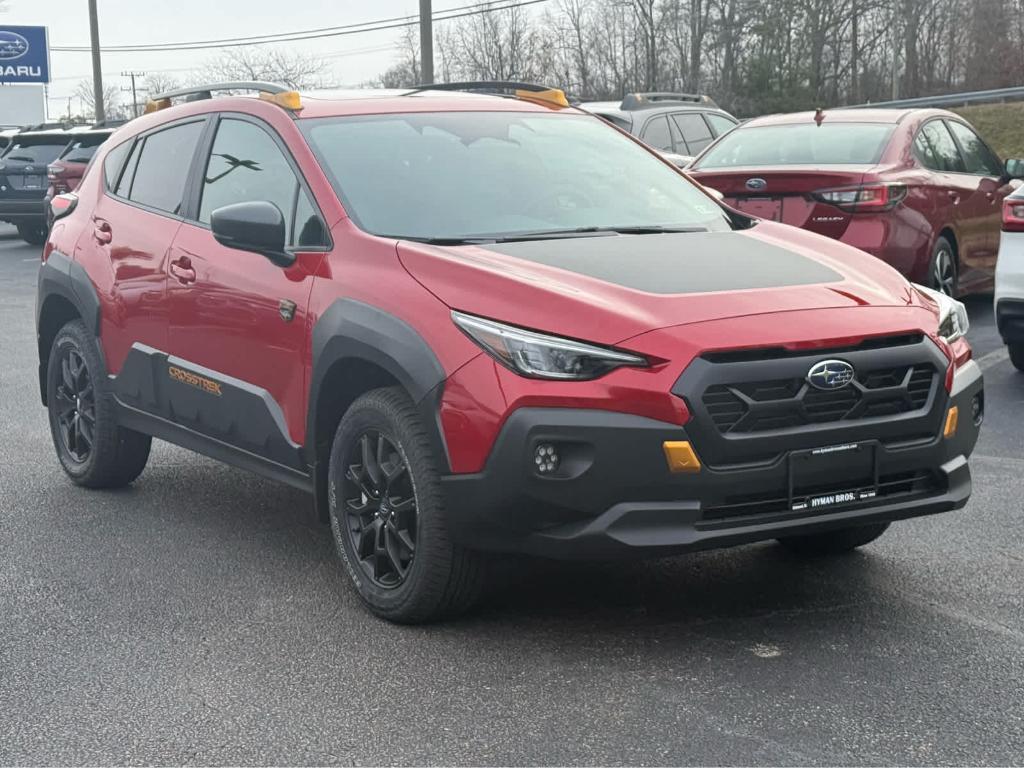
313,34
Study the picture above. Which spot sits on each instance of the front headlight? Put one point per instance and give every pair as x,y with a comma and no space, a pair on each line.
540,356
953,320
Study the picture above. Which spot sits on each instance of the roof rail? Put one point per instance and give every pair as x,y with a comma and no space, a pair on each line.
275,92
634,101
530,91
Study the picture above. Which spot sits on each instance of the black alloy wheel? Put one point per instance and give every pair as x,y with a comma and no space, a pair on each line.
75,406
381,519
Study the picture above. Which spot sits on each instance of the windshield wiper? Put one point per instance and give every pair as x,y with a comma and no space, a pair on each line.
552,234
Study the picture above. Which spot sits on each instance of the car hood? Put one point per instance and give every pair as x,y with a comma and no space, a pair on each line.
608,289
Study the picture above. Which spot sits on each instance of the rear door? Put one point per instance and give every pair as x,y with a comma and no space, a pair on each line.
958,197
132,228
694,132
987,169
238,320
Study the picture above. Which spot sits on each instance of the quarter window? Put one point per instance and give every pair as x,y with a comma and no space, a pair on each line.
113,163
247,165
657,135
159,166
978,158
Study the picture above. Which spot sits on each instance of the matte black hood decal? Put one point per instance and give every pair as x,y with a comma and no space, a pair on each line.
698,262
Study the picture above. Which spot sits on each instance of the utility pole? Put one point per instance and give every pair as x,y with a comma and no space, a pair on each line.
426,43
97,72
135,101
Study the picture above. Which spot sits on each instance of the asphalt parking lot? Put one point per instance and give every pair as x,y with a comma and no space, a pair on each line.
200,617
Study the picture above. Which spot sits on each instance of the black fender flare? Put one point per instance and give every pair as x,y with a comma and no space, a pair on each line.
353,330
62,276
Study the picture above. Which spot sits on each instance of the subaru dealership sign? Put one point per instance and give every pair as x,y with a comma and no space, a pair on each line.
24,55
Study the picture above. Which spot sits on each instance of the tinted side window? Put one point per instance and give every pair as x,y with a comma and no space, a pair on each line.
978,158
113,163
162,167
924,153
695,131
947,156
656,134
719,124
247,165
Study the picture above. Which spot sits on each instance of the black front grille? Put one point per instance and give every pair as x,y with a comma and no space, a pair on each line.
759,406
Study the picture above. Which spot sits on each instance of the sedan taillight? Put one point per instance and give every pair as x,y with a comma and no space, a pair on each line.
1013,215
867,198
54,171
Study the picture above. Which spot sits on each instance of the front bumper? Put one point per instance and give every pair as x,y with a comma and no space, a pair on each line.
613,496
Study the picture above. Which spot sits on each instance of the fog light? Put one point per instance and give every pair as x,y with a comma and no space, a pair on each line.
680,456
546,458
978,409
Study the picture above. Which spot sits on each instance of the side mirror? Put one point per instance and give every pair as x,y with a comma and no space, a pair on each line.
256,226
1014,169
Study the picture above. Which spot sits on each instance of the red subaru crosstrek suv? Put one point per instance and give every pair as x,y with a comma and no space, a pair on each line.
918,188
469,323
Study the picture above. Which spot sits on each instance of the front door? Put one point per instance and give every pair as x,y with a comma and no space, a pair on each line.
238,323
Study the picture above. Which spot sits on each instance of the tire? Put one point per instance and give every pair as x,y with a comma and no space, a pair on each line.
33,234
834,542
374,523
94,451
943,274
1017,355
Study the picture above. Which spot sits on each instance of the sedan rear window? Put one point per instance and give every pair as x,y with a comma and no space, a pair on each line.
799,144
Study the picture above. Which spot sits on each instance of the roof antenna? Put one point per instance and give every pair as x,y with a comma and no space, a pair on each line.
819,115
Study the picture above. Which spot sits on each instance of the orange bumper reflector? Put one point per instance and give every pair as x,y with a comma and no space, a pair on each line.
681,456
951,420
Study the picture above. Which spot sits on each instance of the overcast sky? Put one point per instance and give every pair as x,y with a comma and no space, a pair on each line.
351,59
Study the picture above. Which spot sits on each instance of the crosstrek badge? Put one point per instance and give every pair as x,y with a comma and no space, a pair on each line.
194,380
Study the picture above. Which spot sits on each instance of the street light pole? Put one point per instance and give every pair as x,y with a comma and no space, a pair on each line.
97,73
426,43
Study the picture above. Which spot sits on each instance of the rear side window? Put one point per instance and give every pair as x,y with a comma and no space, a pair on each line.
945,155
978,158
657,134
158,168
800,144
695,131
113,163
247,165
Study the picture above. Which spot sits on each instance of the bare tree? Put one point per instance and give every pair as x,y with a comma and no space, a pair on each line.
292,68
111,100
159,82
405,72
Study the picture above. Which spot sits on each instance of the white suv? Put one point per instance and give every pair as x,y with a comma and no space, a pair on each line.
1009,295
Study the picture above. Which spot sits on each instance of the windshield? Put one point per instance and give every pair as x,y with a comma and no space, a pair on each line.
33,152
464,175
799,144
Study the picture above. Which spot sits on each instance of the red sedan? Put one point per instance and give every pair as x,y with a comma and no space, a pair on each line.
917,188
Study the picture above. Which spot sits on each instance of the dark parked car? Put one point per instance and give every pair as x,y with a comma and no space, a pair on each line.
919,188
23,182
678,125
64,173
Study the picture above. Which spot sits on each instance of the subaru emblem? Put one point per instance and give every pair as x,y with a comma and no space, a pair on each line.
756,183
830,374
12,45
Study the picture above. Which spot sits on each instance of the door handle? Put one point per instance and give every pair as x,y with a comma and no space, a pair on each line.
102,232
954,196
182,270
991,196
